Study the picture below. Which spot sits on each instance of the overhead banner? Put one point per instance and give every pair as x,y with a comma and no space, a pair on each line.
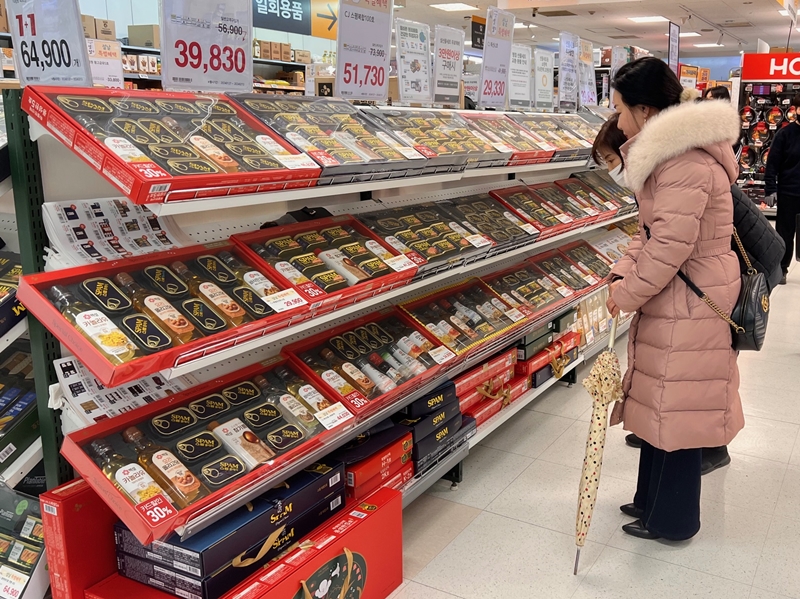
448,65
674,46
519,78
496,58
587,84
365,35
207,45
478,32
413,60
306,17
543,80
48,40
569,49
105,59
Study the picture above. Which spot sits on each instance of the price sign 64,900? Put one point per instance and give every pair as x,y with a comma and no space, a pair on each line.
49,42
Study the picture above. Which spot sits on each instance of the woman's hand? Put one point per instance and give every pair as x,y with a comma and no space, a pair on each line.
613,309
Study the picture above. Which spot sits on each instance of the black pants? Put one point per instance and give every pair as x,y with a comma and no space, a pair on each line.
786,223
668,491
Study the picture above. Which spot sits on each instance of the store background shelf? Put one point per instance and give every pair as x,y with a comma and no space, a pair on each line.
19,468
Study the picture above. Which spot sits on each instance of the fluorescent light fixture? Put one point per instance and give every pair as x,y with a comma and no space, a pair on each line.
556,39
533,36
687,34
467,43
454,6
783,13
653,19
709,45
521,25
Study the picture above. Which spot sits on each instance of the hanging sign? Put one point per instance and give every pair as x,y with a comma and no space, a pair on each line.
318,18
50,48
587,86
496,58
206,45
543,80
105,59
674,46
448,64
619,57
568,71
365,33
478,32
519,78
413,60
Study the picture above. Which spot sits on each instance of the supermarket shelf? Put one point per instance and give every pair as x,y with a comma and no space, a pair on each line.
279,63
238,201
602,343
15,333
19,468
508,413
419,484
280,338
142,77
276,87
140,49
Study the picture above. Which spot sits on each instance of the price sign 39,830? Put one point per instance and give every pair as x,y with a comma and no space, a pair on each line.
50,48
207,45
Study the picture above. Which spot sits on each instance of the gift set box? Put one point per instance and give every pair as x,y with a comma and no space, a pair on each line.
570,280
568,145
159,146
11,310
507,135
587,258
608,208
606,188
527,288
562,347
546,218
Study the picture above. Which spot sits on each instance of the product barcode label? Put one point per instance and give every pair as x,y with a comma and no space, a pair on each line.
186,568
359,515
7,452
159,188
334,480
50,509
336,502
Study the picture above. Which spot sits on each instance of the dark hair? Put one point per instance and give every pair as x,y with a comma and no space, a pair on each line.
719,92
648,81
611,137
796,101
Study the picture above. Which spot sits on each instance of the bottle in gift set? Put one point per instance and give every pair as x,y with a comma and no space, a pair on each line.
129,477
224,305
349,372
249,276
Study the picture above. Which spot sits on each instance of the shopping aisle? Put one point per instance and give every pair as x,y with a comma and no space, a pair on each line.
508,531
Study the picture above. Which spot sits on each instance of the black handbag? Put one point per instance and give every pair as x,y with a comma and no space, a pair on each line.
749,317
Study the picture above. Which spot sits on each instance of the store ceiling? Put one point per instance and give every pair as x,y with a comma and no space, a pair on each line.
607,23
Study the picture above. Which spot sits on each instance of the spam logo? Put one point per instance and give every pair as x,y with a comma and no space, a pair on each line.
443,433
436,401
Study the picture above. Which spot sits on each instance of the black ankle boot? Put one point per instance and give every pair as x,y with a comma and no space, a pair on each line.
713,458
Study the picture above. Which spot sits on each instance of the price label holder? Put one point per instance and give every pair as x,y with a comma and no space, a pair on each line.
519,78
12,583
441,354
496,58
568,71
105,60
400,263
543,97
49,46
413,61
285,300
448,65
363,41
207,45
333,416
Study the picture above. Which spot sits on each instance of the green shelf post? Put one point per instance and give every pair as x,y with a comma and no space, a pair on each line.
26,178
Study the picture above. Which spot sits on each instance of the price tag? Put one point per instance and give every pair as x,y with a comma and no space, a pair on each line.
543,79
496,58
50,48
563,218
105,60
448,64
527,227
333,416
365,33
568,71
12,583
472,84
284,300
478,241
515,315
590,279
400,263
565,291
519,78
586,75
207,45
413,60
441,354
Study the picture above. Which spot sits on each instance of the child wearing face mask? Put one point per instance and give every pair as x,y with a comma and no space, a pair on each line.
606,149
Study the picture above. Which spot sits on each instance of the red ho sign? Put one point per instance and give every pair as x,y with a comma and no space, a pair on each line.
771,67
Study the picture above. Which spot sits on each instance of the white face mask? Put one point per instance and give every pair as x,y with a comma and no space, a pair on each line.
618,175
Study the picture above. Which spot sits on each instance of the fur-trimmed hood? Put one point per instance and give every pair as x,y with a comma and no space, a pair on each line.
712,125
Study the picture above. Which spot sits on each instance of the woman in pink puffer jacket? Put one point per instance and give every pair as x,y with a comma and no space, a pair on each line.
681,387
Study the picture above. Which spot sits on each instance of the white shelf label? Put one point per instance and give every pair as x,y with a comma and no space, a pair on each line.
441,354
478,241
12,583
333,416
400,263
284,300
515,315
519,78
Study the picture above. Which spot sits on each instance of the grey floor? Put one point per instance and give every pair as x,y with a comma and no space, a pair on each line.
508,531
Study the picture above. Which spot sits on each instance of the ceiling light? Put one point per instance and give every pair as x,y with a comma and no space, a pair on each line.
556,39
533,36
687,34
454,6
654,19
709,45
519,25
467,43
783,13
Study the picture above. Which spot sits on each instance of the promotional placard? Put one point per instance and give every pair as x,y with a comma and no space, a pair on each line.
50,48
568,71
688,76
496,58
413,60
105,59
448,64
206,45
471,86
519,78
543,80
365,33
619,57
587,89
674,46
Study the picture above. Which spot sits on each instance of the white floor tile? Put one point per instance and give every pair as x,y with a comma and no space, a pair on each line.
728,544
764,401
561,400
500,558
546,495
777,570
487,472
414,590
622,575
761,594
528,433
788,505
747,482
768,439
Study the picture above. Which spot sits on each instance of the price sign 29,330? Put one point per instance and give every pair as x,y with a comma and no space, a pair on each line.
49,42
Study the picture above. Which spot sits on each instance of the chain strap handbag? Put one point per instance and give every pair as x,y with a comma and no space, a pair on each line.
748,320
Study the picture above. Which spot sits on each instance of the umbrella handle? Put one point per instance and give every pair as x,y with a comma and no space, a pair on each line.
613,335
577,560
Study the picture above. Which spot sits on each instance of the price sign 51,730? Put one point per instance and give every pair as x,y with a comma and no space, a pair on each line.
50,48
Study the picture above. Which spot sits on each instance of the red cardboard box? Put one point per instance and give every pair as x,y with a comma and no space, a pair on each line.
365,546
562,346
533,291
79,538
123,155
468,381
548,219
386,462
236,389
519,386
485,410
555,196
554,264
387,477
490,389
119,587
402,269
576,189
33,288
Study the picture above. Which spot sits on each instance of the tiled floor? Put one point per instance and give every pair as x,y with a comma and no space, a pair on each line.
508,531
